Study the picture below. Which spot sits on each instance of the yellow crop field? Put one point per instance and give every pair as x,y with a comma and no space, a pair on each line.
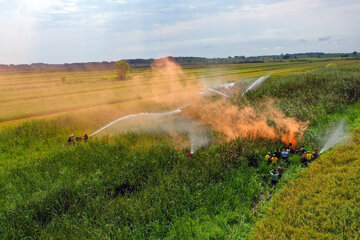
93,93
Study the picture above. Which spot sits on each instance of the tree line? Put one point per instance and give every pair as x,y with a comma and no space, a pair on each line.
139,62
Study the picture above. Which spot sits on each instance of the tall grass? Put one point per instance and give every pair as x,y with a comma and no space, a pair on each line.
309,95
99,190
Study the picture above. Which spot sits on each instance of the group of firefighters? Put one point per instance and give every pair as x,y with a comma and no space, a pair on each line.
306,157
72,139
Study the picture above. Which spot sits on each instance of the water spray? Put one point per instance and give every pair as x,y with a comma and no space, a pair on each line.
214,91
256,84
227,85
175,111
336,137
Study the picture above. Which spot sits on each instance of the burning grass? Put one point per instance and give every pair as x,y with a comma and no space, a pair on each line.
248,122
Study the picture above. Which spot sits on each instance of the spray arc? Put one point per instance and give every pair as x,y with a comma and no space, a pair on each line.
196,131
256,84
175,111
336,137
214,91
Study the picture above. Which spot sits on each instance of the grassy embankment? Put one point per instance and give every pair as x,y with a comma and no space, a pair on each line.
323,203
139,186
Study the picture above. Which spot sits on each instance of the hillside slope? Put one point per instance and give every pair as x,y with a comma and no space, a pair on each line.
323,203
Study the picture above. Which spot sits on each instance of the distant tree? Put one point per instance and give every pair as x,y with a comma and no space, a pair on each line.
355,53
122,69
286,56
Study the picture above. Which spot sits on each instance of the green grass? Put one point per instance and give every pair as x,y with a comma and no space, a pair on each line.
98,189
306,96
113,185
322,126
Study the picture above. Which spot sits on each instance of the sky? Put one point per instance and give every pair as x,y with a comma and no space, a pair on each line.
66,31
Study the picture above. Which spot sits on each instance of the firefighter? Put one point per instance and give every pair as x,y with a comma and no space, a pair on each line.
280,170
86,137
274,177
303,159
189,154
268,157
71,139
78,139
290,148
274,159
277,153
315,154
302,150
284,155
309,157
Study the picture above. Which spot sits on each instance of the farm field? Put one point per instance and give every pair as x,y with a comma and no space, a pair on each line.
142,185
177,120
92,93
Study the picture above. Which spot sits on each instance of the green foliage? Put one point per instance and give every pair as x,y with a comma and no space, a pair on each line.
122,69
306,96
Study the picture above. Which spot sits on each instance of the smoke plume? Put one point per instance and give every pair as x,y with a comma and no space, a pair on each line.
168,86
248,122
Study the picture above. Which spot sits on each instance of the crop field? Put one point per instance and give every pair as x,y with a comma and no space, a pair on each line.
31,95
141,185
